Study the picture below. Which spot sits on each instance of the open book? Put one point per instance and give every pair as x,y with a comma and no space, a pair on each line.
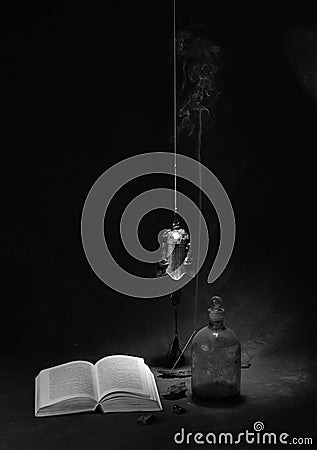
117,383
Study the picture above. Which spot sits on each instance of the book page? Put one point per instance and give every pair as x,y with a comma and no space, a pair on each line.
70,380
122,373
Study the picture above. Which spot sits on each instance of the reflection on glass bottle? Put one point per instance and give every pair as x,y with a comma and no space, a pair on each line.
215,358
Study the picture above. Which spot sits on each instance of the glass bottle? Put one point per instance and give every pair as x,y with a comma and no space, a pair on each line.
215,358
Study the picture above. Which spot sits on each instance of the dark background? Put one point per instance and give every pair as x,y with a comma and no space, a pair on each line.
85,87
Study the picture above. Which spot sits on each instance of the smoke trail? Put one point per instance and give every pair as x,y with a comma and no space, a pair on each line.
200,64
200,207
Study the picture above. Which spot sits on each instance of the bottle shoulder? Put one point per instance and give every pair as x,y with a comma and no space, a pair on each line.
210,334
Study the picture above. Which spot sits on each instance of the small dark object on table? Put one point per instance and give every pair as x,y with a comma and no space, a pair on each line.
177,409
245,365
175,373
176,391
146,419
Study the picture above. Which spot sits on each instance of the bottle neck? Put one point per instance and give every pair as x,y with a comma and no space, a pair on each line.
216,316
216,324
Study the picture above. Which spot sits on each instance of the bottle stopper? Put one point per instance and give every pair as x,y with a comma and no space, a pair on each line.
216,302
216,312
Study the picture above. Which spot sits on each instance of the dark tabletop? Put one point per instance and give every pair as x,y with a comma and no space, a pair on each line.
278,391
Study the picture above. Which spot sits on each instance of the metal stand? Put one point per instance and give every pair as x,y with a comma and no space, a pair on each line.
174,352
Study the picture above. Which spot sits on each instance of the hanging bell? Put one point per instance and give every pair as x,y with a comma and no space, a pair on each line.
176,253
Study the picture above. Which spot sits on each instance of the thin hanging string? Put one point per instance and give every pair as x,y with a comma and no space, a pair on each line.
175,109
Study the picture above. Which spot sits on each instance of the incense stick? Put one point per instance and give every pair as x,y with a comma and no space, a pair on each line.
186,345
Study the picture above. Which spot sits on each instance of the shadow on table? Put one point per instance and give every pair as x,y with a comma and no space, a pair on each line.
230,402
